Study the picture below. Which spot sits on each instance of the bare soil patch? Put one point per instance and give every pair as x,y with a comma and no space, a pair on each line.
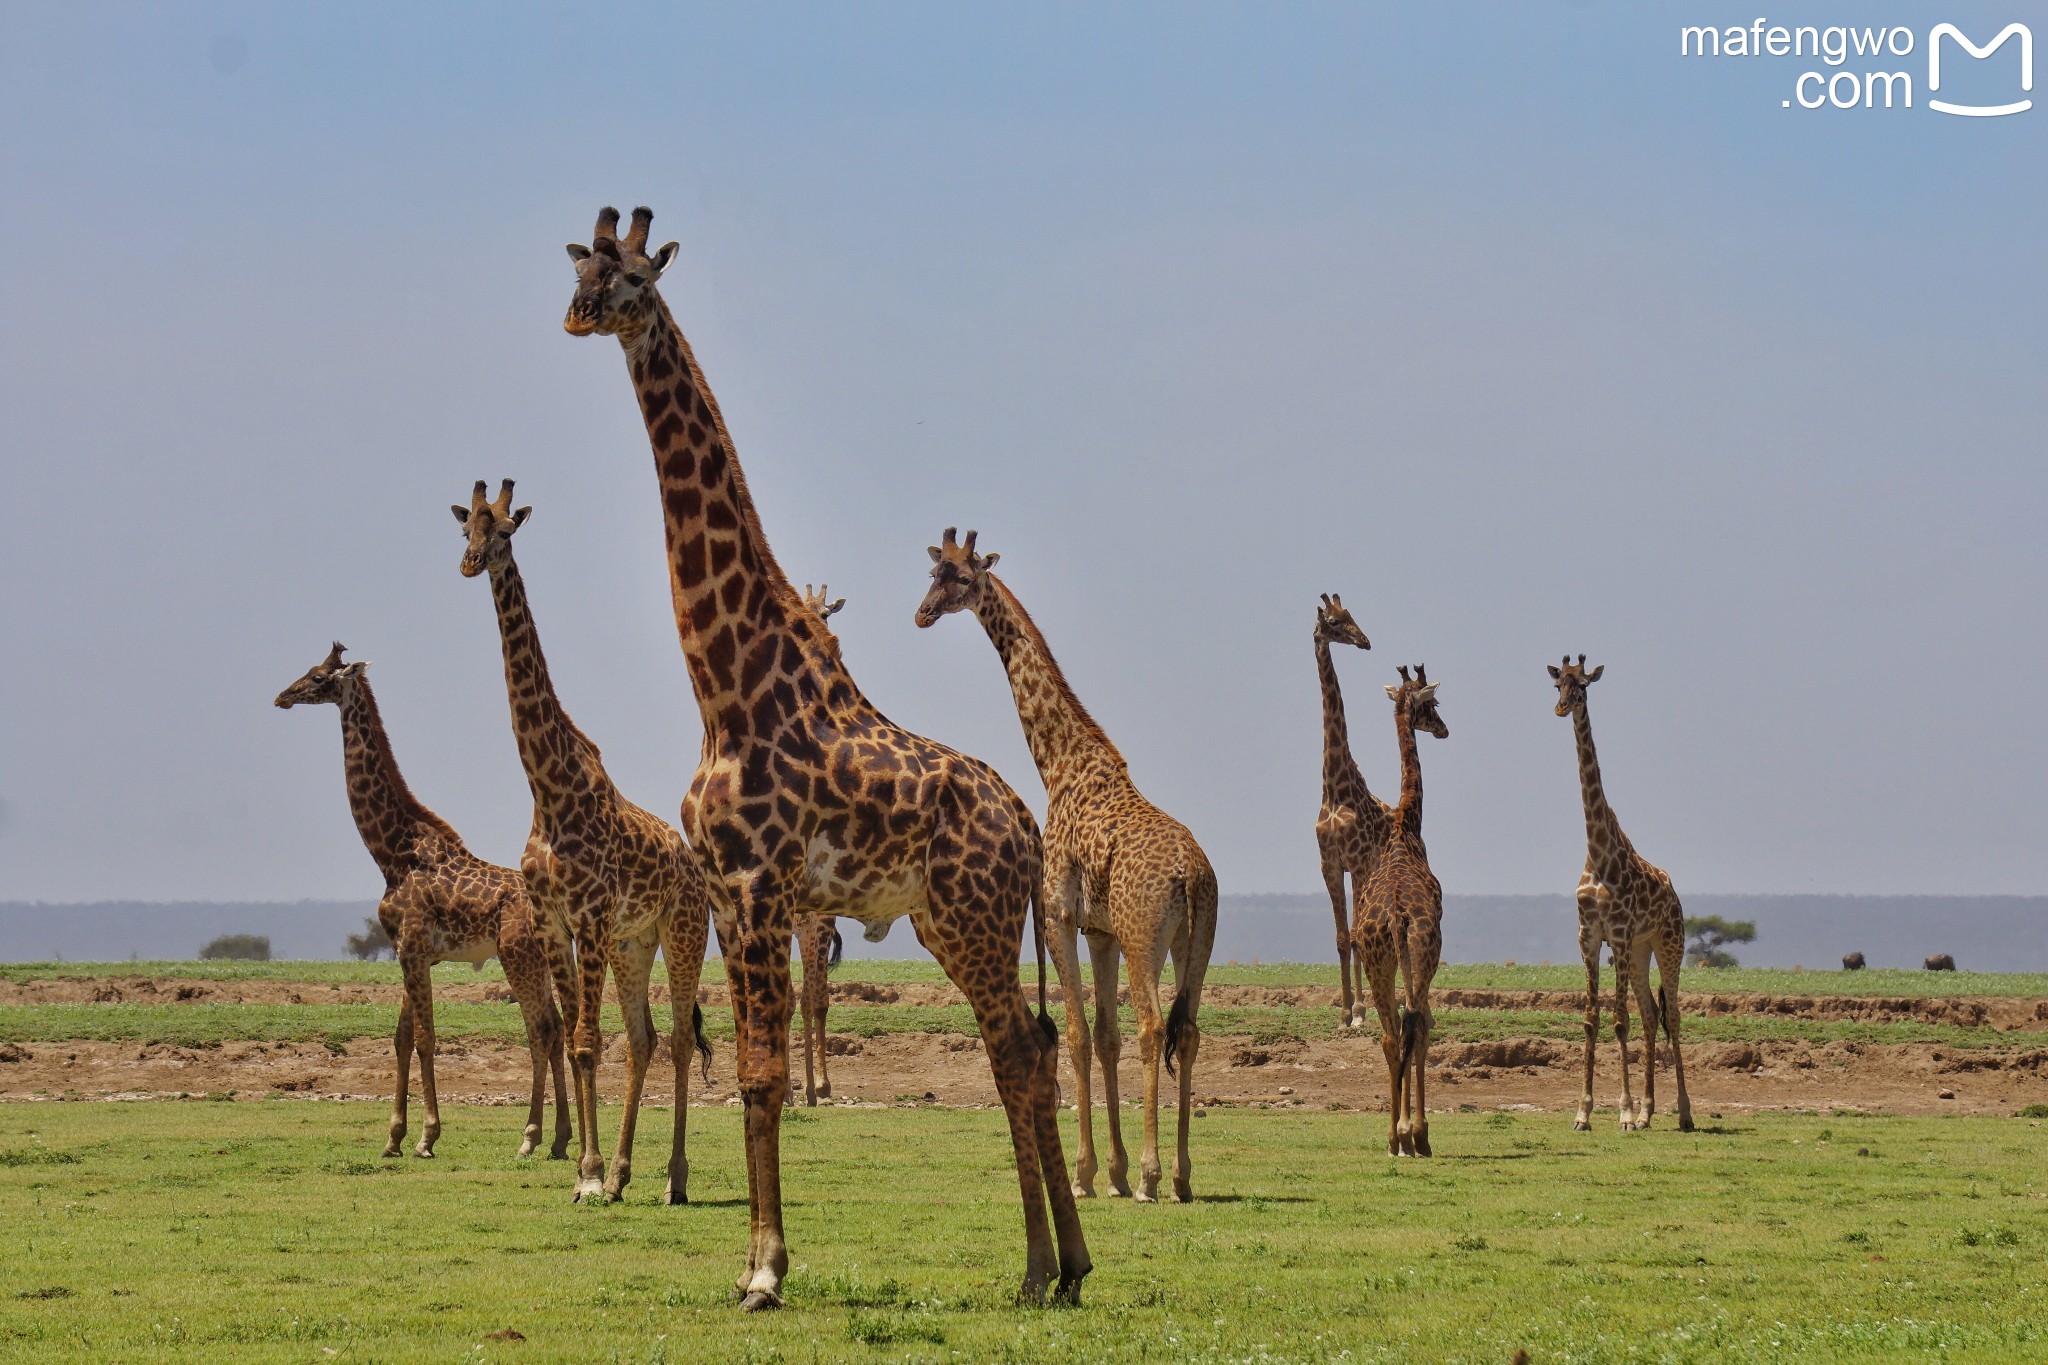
1336,1073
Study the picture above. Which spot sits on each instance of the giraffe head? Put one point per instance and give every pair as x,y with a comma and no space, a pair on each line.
958,577
1572,681
615,278
1418,695
817,600
326,682
1334,625
487,526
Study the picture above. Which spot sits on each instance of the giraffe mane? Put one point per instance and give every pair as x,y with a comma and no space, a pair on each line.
1059,675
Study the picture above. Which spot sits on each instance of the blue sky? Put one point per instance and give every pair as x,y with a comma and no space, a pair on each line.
1509,323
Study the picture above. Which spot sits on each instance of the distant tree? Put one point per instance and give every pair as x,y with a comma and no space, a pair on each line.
1711,935
239,948
372,943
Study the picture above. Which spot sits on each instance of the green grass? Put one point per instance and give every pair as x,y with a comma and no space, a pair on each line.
202,1024
1568,976
273,1232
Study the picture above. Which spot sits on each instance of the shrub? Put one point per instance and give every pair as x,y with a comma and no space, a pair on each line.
238,948
371,944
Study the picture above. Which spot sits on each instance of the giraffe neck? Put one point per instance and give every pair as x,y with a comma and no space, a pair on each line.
1600,821
1064,738
1341,777
1411,766
387,814
543,729
741,624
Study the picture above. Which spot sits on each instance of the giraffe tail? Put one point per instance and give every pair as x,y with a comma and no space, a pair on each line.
1410,1026
838,948
703,1043
1176,1020
1045,1023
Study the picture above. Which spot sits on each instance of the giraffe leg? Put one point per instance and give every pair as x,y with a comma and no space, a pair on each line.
759,973
1377,956
585,1047
814,979
818,1005
561,967
1109,1047
1669,965
419,990
1347,999
634,964
1190,965
543,1044
1066,959
1646,1005
1144,979
1590,951
401,1043
1622,950
1014,1046
1424,946
682,953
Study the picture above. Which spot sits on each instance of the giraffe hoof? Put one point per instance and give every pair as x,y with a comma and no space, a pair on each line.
560,1151
589,1192
392,1150
526,1148
1581,1125
1083,1191
1183,1192
675,1194
1068,1292
424,1152
1685,1124
760,1300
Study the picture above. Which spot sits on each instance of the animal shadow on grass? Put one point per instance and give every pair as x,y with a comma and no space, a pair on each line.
1253,1199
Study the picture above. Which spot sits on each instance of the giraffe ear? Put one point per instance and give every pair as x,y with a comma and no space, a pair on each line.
578,254
933,551
989,562
461,513
1394,692
519,517
659,261
1594,676
1554,674
352,670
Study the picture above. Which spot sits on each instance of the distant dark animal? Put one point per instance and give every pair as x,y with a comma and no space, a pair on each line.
1940,962
1852,962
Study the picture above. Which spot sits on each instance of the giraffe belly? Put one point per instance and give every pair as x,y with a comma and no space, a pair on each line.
834,884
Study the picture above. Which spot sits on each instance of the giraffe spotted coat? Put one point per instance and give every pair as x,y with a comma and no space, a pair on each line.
441,903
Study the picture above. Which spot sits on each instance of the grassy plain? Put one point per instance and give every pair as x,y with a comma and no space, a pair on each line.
273,1232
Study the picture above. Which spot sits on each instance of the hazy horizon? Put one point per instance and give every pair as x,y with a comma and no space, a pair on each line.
1515,327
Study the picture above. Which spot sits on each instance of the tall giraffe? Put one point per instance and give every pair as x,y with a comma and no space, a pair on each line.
1629,905
441,903
1117,868
1399,923
611,882
817,938
1353,824
807,800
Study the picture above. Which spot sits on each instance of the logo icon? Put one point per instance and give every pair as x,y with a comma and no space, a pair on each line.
1941,31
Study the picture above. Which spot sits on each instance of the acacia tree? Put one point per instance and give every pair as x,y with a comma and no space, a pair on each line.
1711,935
238,948
372,943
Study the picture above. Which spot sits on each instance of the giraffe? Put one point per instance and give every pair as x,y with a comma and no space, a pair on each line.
1353,824
1398,922
441,903
807,800
1628,905
817,938
611,882
1117,868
